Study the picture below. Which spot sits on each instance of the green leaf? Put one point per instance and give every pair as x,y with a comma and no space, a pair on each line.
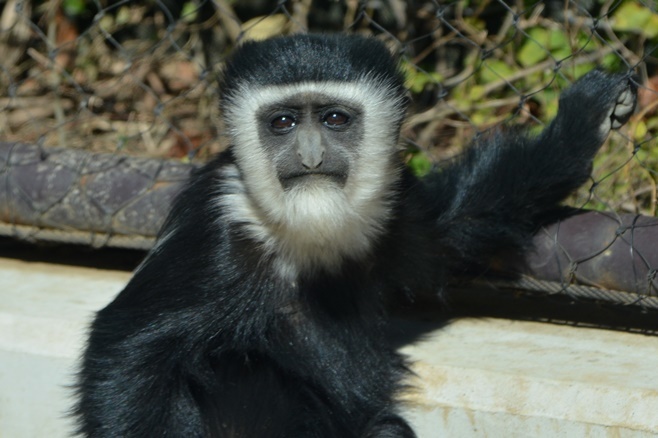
416,80
558,40
189,12
420,164
641,131
495,70
74,8
476,23
475,93
541,43
534,48
637,18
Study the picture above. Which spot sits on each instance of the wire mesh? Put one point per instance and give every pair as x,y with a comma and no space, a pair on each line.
106,106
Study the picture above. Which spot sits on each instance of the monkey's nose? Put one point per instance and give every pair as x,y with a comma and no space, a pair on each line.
310,150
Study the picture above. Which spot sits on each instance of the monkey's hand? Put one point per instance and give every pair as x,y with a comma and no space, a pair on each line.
597,103
623,109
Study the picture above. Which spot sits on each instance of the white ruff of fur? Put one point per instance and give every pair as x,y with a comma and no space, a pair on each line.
316,225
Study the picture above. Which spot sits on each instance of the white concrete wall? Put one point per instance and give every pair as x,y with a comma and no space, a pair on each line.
500,378
44,312
475,378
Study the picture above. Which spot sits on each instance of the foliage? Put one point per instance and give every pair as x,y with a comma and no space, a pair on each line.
516,72
138,76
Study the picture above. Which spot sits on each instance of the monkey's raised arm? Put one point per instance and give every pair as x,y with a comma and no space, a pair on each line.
497,194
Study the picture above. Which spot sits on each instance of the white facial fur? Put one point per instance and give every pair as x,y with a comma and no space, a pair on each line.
313,226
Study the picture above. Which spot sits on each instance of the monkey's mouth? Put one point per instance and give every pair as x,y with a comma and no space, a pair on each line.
311,177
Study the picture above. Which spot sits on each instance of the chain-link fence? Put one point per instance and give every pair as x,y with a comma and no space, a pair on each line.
106,105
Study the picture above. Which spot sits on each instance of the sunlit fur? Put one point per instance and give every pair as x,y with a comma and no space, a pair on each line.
313,225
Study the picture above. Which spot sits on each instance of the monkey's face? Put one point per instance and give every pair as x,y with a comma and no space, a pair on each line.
311,139
317,163
310,136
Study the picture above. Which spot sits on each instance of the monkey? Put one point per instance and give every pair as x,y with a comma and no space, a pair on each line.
260,310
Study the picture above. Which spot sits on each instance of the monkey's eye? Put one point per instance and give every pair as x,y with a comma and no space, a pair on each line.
335,119
283,123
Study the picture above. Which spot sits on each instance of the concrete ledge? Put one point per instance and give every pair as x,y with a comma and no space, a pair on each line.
44,312
475,377
506,378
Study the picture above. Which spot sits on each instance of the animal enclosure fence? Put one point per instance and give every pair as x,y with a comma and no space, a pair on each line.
106,106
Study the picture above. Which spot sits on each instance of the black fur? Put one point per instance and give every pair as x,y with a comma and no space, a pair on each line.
206,341
282,61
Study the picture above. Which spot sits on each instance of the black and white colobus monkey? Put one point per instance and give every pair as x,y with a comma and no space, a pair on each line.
259,312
